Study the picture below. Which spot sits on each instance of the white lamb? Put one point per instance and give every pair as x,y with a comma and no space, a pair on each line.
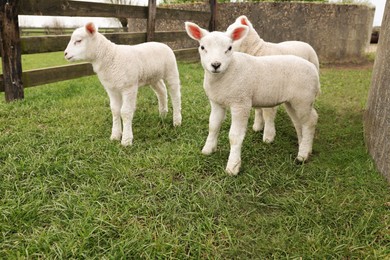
122,69
240,81
254,45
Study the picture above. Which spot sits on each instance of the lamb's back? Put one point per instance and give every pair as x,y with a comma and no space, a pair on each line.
146,62
264,80
297,48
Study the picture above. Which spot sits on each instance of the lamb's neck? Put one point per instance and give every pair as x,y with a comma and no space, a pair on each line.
104,53
254,44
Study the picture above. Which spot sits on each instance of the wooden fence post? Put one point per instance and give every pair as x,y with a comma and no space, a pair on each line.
213,18
151,23
10,50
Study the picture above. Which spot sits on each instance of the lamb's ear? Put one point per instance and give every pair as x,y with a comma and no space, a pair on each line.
244,20
238,32
91,28
194,31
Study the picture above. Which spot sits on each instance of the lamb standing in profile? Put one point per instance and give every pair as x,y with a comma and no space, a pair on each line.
240,81
122,69
252,44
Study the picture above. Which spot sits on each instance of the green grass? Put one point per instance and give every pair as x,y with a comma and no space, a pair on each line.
41,60
67,191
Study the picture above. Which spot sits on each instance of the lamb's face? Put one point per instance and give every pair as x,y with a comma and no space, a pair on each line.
215,51
215,48
78,45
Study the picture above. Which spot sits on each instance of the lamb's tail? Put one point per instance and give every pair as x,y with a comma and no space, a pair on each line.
319,89
314,59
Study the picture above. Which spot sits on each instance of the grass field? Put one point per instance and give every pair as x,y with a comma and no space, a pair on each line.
67,191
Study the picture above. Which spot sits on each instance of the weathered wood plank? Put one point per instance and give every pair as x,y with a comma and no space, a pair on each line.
54,74
185,15
126,38
38,77
170,36
151,22
42,44
76,8
10,51
213,15
190,54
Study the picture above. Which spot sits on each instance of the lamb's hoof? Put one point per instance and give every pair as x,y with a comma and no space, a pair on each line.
176,121
115,137
208,150
268,140
233,168
163,113
257,127
126,142
300,160
269,135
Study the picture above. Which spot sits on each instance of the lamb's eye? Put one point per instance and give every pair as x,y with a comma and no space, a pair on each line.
229,49
77,42
202,48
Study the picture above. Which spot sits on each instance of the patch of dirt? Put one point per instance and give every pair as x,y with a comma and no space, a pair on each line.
367,63
363,65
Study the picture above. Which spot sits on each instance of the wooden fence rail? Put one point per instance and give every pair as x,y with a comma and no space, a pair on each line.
52,43
88,9
12,45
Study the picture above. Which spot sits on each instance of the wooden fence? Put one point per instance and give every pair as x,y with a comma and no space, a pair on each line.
12,45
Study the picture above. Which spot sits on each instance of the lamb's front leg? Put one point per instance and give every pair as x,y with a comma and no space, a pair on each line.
127,112
240,116
217,115
162,96
269,115
258,124
115,105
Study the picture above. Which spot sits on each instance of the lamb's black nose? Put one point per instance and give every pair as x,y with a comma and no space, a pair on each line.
216,65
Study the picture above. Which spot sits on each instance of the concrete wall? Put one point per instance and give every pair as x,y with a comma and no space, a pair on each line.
377,116
339,33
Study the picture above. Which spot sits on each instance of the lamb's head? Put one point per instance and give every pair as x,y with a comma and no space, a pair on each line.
215,48
81,41
242,20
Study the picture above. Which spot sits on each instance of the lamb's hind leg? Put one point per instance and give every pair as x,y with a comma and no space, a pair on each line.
175,94
294,118
308,131
305,121
161,93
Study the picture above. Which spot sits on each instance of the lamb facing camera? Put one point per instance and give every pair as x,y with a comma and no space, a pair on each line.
122,69
240,81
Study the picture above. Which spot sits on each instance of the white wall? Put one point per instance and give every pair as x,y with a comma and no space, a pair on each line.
379,10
